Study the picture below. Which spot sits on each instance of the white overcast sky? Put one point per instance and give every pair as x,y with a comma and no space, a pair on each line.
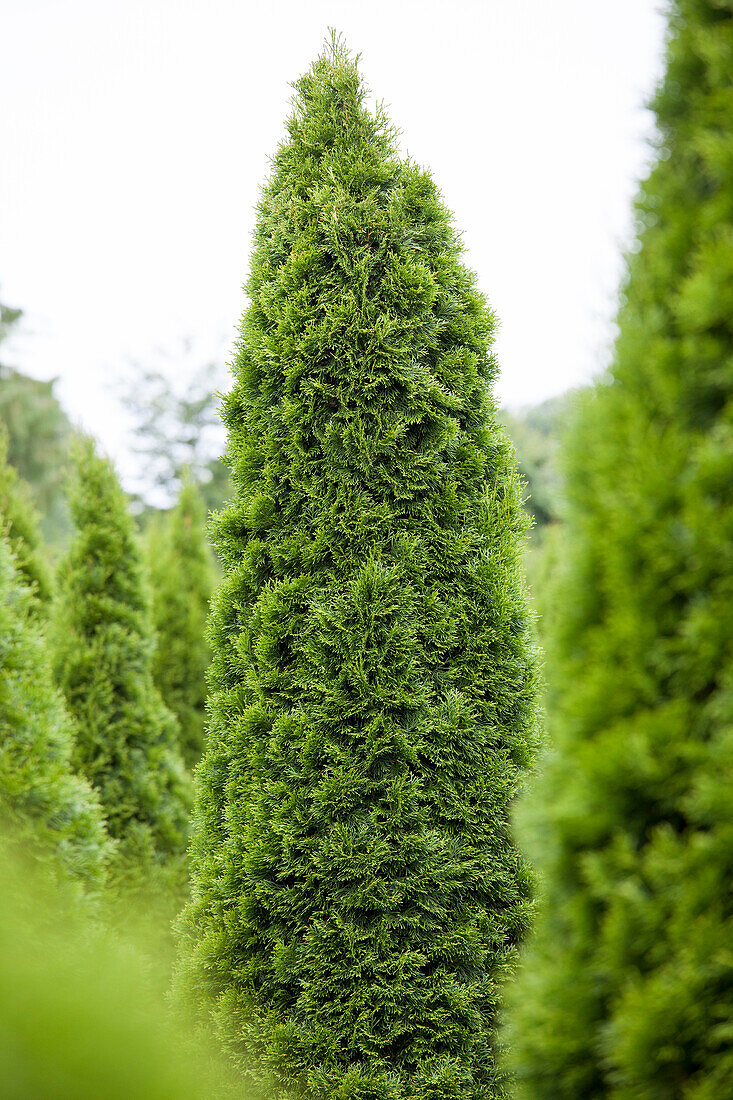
135,135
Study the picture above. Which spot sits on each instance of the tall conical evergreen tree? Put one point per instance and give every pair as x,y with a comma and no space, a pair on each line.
357,896
182,578
19,523
41,798
127,740
627,990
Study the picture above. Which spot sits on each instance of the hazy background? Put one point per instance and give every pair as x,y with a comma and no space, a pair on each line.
135,134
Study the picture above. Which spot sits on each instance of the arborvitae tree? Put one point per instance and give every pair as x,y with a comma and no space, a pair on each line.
627,990
41,798
182,577
357,894
127,743
19,524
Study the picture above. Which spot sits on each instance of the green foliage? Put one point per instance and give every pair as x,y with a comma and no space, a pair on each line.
182,577
9,317
38,436
535,432
127,740
52,809
79,1014
357,894
627,989
19,524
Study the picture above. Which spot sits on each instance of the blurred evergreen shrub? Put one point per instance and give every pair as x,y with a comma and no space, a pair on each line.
49,809
181,571
627,989
127,742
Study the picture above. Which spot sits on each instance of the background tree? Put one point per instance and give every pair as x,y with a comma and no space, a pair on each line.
357,896
9,318
177,433
54,810
535,431
627,990
128,741
38,434
18,522
182,577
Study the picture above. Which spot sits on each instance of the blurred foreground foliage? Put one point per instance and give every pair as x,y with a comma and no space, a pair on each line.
81,1011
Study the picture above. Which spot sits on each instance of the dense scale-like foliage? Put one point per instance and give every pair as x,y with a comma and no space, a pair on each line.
127,742
357,894
19,524
182,577
54,811
627,990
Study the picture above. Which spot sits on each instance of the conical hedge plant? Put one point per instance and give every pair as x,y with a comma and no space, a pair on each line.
182,578
627,990
127,742
20,525
44,805
357,896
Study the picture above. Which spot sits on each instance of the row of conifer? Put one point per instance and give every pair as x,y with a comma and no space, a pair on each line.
102,679
358,897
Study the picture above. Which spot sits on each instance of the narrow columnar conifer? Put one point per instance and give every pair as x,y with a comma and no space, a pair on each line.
357,895
47,807
19,524
182,578
627,989
127,742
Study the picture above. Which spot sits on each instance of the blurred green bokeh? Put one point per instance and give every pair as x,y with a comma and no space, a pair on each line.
81,1014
